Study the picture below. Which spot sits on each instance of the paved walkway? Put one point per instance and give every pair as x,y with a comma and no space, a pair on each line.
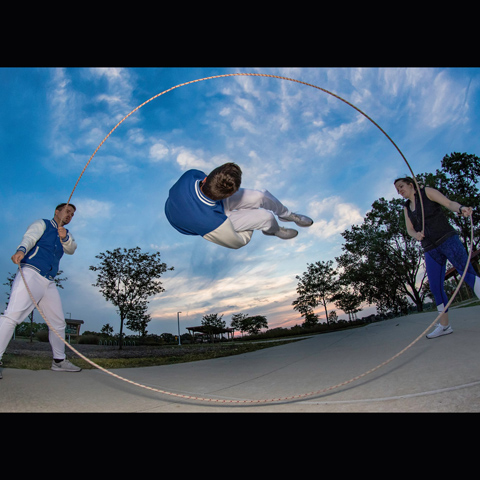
440,375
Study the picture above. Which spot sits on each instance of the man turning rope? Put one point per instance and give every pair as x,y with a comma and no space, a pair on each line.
39,254
216,208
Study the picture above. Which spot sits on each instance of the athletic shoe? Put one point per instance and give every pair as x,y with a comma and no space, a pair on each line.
300,220
64,366
440,330
283,233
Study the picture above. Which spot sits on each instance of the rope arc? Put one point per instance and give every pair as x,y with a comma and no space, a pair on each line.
246,401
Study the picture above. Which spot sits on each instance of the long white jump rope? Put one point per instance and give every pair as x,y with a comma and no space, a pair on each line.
284,399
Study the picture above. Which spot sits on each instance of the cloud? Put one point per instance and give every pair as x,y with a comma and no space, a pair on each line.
244,292
187,160
444,102
159,151
332,216
91,208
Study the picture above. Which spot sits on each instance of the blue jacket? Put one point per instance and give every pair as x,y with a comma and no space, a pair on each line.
192,213
43,248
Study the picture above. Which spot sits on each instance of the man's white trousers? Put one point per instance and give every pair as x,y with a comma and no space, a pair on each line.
254,210
20,305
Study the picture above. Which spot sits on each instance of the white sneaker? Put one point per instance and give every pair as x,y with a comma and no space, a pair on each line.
283,233
440,330
300,220
64,366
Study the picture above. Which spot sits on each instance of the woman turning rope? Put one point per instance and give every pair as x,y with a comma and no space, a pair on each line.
440,242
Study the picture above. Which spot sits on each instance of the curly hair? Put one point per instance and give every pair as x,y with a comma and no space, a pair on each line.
223,181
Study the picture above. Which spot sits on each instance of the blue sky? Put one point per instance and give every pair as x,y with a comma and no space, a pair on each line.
318,155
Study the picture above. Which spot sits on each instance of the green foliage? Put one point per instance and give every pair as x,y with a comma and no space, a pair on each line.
88,339
316,286
347,301
248,324
42,335
381,262
28,328
127,278
213,324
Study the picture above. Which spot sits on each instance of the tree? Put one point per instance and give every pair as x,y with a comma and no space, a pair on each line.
311,318
348,302
127,278
213,324
107,329
238,323
138,319
332,316
316,286
381,262
251,325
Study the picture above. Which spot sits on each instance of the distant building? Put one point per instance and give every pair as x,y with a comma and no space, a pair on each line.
73,326
201,332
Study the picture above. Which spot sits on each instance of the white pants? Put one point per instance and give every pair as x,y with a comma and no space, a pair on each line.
254,210
20,305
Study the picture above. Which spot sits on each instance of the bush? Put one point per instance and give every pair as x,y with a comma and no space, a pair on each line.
42,335
89,339
150,340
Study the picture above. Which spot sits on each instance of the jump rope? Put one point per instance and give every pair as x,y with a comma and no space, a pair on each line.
247,401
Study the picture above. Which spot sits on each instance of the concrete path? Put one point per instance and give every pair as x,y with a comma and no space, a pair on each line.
440,375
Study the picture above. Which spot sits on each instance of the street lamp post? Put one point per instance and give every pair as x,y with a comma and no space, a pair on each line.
178,324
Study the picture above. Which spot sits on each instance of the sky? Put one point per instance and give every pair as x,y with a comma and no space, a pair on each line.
314,152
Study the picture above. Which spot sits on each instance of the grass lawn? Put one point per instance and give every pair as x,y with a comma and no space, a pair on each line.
180,354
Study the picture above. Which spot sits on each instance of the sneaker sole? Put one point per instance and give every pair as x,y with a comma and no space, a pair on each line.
298,224
441,335
278,236
64,370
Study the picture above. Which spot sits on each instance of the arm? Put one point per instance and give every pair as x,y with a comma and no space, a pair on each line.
68,243
410,230
436,196
30,238
32,235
